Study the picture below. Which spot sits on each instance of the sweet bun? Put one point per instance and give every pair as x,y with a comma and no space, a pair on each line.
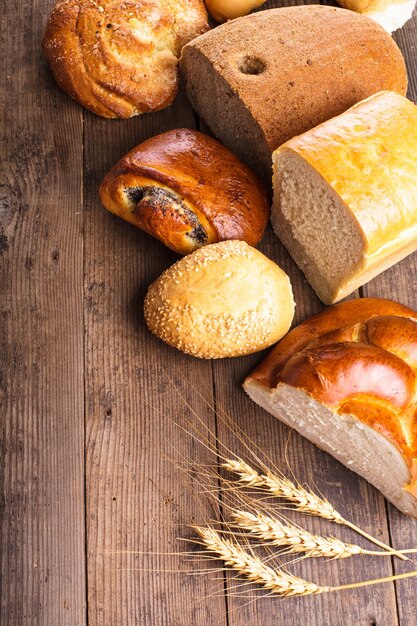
346,380
187,190
223,10
390,14
226,299
119,58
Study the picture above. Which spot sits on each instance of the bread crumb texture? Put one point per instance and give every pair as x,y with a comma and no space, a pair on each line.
226,299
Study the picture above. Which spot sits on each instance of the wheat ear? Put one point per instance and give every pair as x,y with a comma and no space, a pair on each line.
278,582
303,500
296,539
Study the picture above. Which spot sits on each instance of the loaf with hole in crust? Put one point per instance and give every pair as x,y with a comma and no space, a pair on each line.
259,80
345,194
346,380
187,190
119,58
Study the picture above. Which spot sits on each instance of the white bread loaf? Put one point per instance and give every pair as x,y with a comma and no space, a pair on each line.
346,380
345,195
225,299
259,80
390,14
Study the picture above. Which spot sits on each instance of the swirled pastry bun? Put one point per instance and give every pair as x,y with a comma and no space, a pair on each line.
224,300
118,58
187,190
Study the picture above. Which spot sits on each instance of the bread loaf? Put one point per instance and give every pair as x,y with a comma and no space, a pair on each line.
346,380
345,195
259,80
119,59
391,14
187,190
226,299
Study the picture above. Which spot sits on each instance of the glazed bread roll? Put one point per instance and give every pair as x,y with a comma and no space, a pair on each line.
259,80
224,300
119,58
346,380
345,195
391,14
223,10
187,190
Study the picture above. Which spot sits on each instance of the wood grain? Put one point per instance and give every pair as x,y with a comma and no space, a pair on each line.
352,496
42,416
398,283
95,409
137,499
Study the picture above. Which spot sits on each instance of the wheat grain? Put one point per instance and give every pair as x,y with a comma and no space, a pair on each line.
296,539
302,499
277,581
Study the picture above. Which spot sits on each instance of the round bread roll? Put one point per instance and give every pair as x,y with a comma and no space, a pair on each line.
118,58
226,299
223,10
187,190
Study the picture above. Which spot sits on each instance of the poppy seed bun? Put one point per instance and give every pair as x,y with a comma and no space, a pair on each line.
225,299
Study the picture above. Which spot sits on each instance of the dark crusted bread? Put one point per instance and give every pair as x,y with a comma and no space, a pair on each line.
259,80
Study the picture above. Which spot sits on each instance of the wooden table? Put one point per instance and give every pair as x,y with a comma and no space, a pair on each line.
90,453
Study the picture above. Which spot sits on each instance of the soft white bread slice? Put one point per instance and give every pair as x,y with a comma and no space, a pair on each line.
346,380
259,80
390,14
345,195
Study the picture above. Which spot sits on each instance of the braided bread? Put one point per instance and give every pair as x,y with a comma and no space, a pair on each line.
187,190
119,58
346,379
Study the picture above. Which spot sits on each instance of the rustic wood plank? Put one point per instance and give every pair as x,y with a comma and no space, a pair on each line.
309,464
366,506
42,417
352,496
398,283
137,500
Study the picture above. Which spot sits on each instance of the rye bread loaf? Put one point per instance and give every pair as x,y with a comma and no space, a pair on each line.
259,80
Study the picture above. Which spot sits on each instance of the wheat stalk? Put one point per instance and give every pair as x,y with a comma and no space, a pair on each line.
296,539
302,499
278,582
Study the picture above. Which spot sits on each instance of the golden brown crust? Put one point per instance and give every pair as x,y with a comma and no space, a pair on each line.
357,357
368,155
119,58
226,299
391,14
223,10
187,190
